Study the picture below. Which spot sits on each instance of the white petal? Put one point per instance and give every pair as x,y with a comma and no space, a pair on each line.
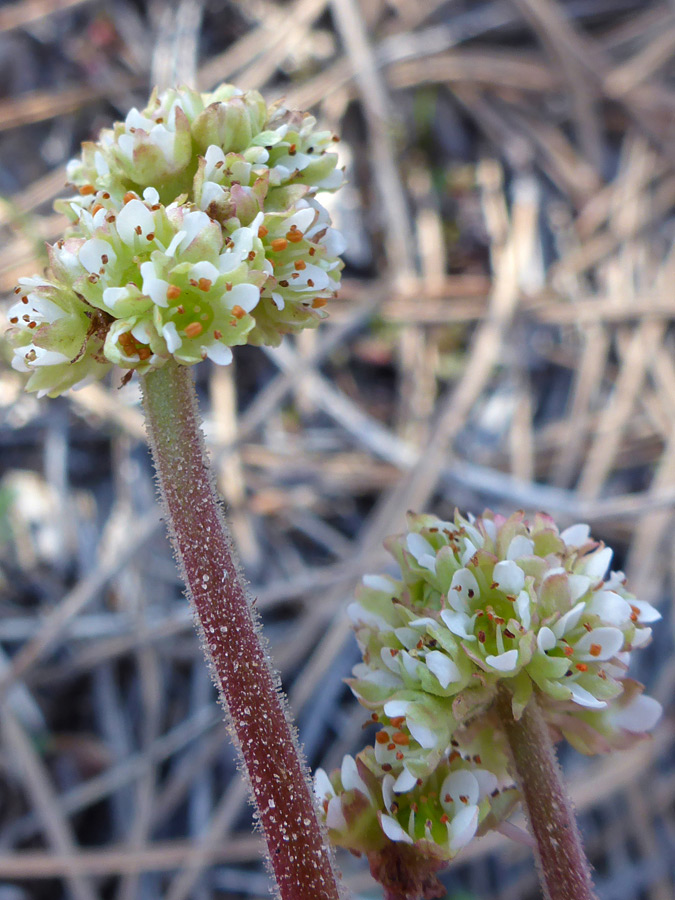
48,357
424,736
153,286
359,615
461,783
509,577
126,143
204,269
171,336
569,621
610,607
244,295
193,224
584,698
442,667
597,564
141,331
487,781
608,640
409,664
646,612
423,623
422,551
388,790
407,636
278,300
101,164
462,828
490,529
335,818
467,553
390,660
578,585
641,714
396,708
546,639
349,775
219,353
405,782
379,677
523,609
151,196
133,215
113,295
641,637
91,253
378,583
394,831
301,219
459,623
322,785
176,241
576,535
211,193
520,546
463,589
504,662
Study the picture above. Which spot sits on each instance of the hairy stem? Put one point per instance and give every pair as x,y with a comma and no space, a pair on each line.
249,688
563,867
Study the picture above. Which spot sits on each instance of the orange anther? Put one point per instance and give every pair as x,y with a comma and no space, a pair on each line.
144,352
382,737
294,236
173,292
238,312
397,721
581,667
95,208
400,738
217,334
129,196
204,284
87,189
262,231
318,302
391,746
445,818
568,651
279,244
193,330
595,650
300,264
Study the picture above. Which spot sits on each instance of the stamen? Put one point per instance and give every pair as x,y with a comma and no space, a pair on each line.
194,329
262,232
595,650
204,284
279,244
173,292
238,312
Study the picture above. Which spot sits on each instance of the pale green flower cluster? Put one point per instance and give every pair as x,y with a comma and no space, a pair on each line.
195,228
482,603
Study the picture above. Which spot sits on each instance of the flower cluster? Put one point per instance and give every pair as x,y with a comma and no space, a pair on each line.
482,603
195,228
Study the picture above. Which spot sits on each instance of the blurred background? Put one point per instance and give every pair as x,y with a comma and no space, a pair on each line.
504,338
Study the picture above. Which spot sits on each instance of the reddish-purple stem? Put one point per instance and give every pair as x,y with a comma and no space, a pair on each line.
563,868
298,853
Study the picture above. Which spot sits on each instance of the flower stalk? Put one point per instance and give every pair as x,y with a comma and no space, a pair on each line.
563,867
232,642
